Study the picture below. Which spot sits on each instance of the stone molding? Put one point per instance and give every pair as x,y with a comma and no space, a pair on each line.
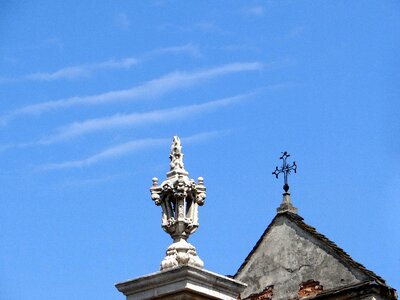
175,283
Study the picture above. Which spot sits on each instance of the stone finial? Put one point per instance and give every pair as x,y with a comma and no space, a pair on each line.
176,165
179,197
286,205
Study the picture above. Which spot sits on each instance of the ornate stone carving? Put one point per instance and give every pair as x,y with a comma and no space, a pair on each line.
179,197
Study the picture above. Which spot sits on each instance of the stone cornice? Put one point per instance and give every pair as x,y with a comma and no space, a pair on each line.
182,279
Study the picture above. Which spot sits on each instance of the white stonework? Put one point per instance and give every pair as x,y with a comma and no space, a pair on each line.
184,282
179,197
182,275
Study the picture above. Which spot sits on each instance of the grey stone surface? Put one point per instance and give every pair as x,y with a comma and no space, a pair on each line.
183,282
179,197
287,256
286,205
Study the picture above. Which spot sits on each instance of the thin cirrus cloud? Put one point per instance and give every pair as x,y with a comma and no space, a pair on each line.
137,119
255,10
188,48
203,26
124,149
153,88
74,72
84,70
87,70
122,21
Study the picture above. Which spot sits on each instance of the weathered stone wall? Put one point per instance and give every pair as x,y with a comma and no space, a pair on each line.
289,256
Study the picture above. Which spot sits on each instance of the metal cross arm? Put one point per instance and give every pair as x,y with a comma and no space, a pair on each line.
285,169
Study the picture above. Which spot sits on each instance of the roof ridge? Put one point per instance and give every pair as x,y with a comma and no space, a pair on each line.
391,293
255,247
335,248
330,244
386,290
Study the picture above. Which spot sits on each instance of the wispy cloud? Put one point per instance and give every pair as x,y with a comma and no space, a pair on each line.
26,46
85,70
108,153
6,147
4,80
254,10
149,89
89,182
74,72
189,48
9,60
239,47
209,27
140,119
137,119
122,21
124,149
296,32
53,43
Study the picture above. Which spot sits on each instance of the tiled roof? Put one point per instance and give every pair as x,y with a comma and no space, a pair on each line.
341,292
384,290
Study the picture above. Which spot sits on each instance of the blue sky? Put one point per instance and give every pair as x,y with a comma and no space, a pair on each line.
91,93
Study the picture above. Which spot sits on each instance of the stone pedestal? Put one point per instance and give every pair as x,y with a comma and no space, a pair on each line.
183,282
286,205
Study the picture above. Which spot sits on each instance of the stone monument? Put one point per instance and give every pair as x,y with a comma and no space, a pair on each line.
181,274
179,197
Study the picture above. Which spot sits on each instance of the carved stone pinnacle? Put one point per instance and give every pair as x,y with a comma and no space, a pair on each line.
176,165
179,197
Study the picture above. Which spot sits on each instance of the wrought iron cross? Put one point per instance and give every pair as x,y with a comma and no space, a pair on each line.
285,169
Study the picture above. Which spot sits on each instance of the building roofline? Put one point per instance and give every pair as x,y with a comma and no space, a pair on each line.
345,292
366,287
328,243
